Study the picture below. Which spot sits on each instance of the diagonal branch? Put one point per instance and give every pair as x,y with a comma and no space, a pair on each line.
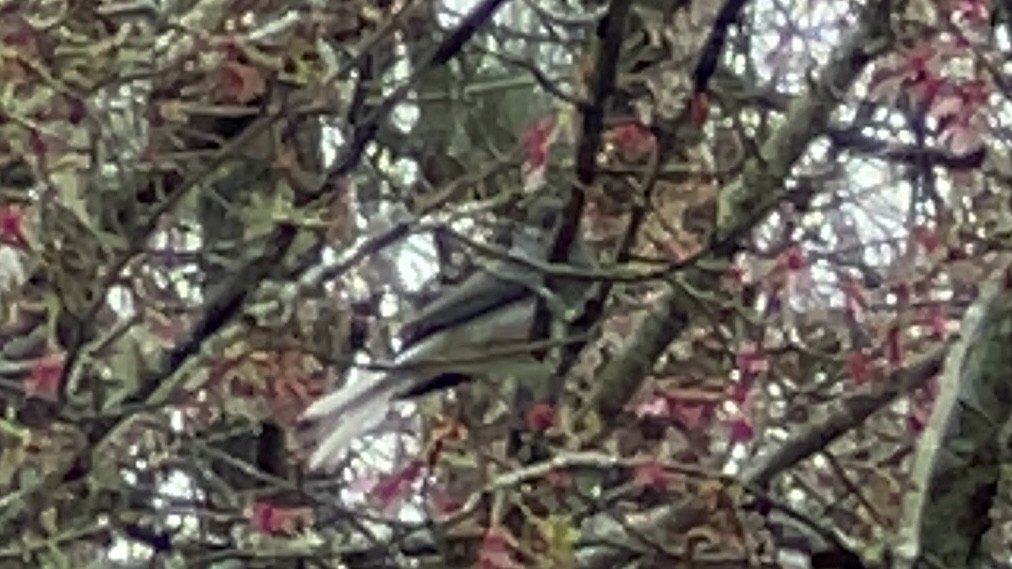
226,303
854,411
607,48
747,202
369,126
959,459
709,56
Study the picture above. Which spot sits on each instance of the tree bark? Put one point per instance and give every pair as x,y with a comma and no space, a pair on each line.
958,463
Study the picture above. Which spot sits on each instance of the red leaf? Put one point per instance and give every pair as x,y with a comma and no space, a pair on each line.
739,391
859,366
44,378
239,83
925,237
751,360
927,89
970,11
691,415
958,115
736,274
946,107
535,141
793,259
391,489
632,140
11,9
442,502
902,292
854,297
918,73
540,417
962,139
740,430
12,226
699,108
495,552
266,517
915,424
650,475
918,60
937,322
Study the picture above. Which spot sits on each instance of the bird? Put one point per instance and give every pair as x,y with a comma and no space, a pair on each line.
476,328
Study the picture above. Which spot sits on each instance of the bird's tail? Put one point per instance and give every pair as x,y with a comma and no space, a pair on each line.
350,411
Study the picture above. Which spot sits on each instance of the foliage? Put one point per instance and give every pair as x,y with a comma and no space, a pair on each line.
210,210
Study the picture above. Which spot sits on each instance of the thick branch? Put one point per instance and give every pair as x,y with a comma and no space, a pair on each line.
608,48
854,411
747,201
958,462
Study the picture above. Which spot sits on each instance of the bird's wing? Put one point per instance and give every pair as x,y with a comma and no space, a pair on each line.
480,294
492,345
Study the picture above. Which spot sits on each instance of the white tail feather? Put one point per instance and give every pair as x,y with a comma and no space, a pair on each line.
337,432
340,417
358,383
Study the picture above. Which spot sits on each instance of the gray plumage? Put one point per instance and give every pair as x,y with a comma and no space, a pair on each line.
473,329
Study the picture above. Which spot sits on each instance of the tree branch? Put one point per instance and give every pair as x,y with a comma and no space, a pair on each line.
746,202
229,299
709,56
851,413
959,459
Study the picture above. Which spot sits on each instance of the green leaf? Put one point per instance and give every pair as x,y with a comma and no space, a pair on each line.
587,483
561,536
28,478
48,521
458,460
